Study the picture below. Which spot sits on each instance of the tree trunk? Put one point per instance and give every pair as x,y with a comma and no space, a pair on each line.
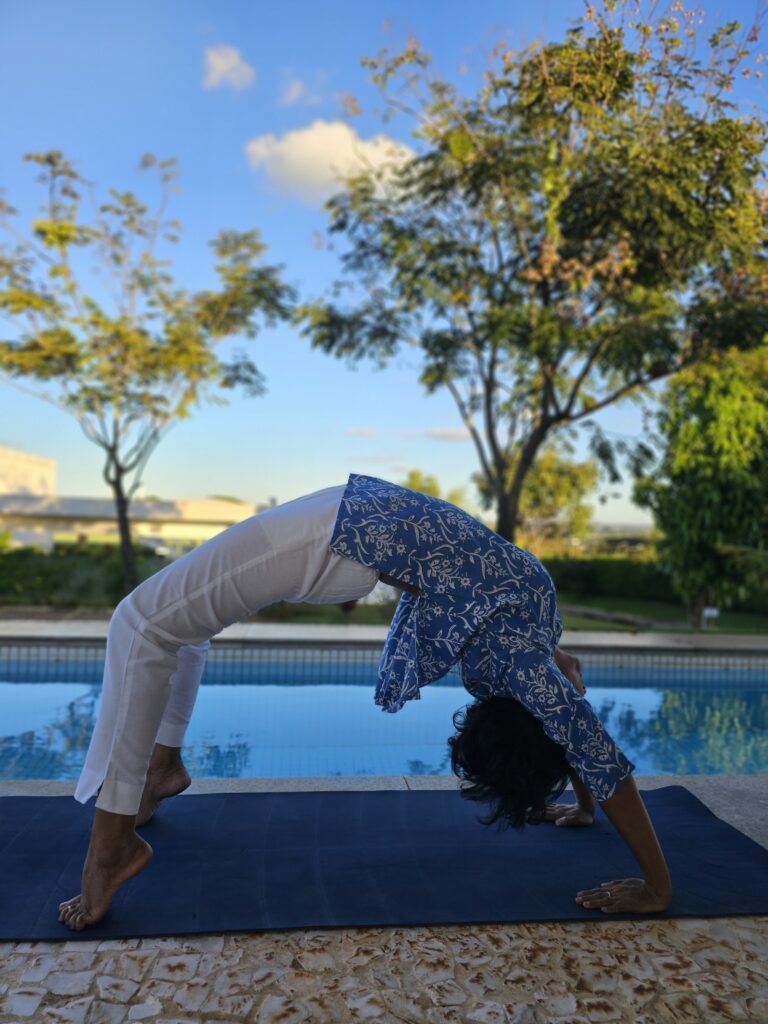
506,516
696,610
509,497
130,571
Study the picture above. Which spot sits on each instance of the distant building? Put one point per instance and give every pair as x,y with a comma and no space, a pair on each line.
33,514
22,473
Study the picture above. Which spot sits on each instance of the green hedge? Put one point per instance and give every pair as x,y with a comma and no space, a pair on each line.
617,576
92,577
612,576
68,576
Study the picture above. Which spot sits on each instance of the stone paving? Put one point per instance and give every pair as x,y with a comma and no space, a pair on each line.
646,972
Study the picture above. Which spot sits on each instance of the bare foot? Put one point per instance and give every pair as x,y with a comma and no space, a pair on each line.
161,783
104,871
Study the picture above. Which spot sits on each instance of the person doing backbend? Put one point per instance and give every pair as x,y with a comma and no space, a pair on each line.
469,597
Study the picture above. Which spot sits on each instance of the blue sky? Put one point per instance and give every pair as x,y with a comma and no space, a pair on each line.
246,97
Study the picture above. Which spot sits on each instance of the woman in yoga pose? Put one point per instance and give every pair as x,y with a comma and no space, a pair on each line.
469,596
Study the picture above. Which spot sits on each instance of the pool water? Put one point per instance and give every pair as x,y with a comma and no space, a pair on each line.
690,720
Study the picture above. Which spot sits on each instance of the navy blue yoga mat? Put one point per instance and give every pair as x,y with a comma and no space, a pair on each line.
248,861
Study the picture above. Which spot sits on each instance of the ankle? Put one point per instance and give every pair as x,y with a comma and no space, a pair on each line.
110,833
107,853
165,759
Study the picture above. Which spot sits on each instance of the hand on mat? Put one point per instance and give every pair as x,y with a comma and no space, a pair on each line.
623,895
568,815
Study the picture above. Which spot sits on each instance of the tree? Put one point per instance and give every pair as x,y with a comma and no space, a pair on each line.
128,377
427,484
586,225
552,504
709,492
697,730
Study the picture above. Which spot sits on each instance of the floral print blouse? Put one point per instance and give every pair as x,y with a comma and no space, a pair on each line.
483,602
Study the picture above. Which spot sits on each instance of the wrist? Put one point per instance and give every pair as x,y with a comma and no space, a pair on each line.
584,799
660,884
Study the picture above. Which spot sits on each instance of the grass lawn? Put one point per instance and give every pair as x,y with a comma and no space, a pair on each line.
329,614
665,616
579,622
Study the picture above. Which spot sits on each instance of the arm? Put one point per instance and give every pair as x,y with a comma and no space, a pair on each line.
570,666
392,581
626,812
649,894
583,811
584,798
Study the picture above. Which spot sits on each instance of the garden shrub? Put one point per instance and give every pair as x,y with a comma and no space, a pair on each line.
68,576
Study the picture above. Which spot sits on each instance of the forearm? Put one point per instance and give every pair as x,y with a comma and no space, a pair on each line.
583,796
626,812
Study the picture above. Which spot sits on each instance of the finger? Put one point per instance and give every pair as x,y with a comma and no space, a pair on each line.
614,899
594,897
551,811
598,902
586,897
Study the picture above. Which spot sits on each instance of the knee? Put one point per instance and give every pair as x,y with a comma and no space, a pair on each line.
136,615
124,615
129,616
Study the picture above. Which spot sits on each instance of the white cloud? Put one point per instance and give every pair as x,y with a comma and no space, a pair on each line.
307,162
449,434
292,92
224,65
296,90
362,431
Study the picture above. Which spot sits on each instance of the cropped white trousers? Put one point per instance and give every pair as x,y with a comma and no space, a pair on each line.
159,635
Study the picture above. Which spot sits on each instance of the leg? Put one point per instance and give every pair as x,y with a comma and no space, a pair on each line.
181,606
115,854
167,775
178,609
279,555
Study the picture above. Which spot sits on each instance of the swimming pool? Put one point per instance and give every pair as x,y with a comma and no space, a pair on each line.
269,710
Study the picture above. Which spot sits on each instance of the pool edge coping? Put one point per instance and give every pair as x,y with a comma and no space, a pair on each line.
26,630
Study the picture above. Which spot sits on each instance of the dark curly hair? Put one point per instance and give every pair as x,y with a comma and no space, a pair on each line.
502,751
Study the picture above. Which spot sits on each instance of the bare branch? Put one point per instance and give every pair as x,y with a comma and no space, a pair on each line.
13,383
469,424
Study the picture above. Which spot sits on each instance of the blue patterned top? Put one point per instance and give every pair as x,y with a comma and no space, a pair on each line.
483,601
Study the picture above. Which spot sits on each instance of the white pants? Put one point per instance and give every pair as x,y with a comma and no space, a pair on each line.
159,635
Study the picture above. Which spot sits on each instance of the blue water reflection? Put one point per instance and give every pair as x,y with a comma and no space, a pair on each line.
700,723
